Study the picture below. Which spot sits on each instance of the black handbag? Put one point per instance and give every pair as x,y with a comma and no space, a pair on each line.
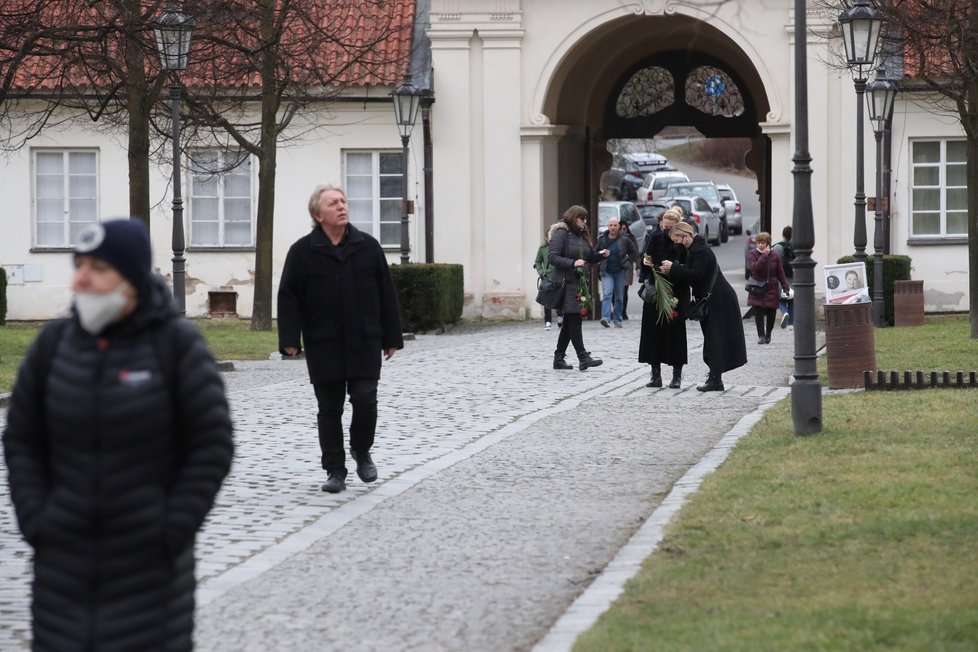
756,287
646,291
550,293
700,308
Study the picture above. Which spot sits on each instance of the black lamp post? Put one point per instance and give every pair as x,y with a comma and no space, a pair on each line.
861,28
882,93
407,99
806,391
173,30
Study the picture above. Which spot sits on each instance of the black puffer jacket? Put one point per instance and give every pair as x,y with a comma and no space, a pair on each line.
113,464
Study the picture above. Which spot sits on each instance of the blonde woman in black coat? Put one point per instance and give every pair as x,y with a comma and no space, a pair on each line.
570,251
118,438
723,331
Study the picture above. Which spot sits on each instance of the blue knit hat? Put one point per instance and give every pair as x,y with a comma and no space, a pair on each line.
124,244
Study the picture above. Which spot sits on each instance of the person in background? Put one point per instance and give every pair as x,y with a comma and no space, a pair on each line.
118,439
570,251
337,294
544,268
765,265
723,331
664,341
787,253
632,269
614,269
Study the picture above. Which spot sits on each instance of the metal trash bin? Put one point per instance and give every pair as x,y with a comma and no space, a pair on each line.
908,303
850,344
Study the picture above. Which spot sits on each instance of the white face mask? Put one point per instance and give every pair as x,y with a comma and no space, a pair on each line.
96,311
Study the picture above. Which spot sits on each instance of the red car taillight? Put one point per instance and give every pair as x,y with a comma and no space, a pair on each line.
738,207
696,216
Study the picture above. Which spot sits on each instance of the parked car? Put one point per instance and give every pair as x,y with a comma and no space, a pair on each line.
627,214
710,226
651,211
647,162
750,244
655,184
629,185
708,191
735,221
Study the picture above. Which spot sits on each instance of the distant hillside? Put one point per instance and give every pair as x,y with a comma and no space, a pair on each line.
718,153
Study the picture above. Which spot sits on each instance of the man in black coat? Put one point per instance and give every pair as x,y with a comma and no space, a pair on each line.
337,293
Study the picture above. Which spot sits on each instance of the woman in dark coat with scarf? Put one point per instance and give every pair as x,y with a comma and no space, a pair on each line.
723,331
118,438
765,265
662,340
571,251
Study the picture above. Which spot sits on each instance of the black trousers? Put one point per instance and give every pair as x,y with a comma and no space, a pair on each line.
570,331
363,424
762,315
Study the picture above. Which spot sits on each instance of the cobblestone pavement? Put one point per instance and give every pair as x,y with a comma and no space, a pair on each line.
505,488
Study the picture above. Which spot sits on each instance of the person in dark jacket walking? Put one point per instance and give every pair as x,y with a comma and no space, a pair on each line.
543,267
765,265
614,270
664,341
723,331
336,298
118,439
570,252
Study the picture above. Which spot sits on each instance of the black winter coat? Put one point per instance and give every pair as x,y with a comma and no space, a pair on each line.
567,246
724,347
113,465
342,302
665,342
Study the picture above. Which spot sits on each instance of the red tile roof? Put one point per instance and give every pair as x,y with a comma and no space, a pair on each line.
362,43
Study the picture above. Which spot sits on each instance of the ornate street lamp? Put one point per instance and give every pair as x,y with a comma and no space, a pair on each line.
806,391
881,94
173,30
861,26
407,99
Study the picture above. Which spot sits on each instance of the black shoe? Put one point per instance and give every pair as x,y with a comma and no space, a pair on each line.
711,385
677,378
767,338
366,469
585,360
656,380
760,340
561,363
334,484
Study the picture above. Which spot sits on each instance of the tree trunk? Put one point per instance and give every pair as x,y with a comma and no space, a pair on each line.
138,113
973,232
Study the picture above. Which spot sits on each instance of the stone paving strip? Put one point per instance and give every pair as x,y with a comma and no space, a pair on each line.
505,489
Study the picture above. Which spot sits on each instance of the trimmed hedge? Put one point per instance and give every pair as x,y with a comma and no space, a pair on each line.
430,295
895,268
3,296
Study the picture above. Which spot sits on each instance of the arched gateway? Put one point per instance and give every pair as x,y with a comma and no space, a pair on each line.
529,93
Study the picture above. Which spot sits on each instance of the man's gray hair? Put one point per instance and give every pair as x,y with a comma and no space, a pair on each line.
316,195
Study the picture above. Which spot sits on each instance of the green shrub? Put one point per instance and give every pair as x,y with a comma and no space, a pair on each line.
430,295
895,268
3,296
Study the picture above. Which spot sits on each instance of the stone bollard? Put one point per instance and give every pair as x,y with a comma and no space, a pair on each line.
908,303
850,343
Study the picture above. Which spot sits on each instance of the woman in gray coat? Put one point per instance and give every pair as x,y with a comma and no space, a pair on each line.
570,252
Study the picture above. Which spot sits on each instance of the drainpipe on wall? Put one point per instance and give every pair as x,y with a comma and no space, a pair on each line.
429,190
887,177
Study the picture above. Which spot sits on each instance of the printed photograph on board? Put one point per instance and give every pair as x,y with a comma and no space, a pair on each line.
846,283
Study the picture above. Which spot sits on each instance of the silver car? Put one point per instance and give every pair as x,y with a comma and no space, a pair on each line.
710,226
735,221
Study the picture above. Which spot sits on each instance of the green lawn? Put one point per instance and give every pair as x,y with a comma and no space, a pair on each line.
859,538
228,339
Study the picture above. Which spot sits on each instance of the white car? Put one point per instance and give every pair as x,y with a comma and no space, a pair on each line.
656,183
707,221
627,214
735,221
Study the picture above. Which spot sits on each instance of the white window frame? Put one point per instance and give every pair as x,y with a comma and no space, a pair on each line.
942,187
67,222
222,221
375,204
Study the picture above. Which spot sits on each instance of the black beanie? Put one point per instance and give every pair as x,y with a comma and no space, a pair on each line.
124,244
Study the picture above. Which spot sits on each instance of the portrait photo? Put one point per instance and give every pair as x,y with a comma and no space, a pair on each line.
846,283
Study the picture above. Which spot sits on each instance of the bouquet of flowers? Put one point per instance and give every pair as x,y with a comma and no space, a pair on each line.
665,302
583,291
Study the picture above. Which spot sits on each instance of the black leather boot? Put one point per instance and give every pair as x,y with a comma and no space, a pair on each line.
677,377
585,360
560,362
713,384
656,380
